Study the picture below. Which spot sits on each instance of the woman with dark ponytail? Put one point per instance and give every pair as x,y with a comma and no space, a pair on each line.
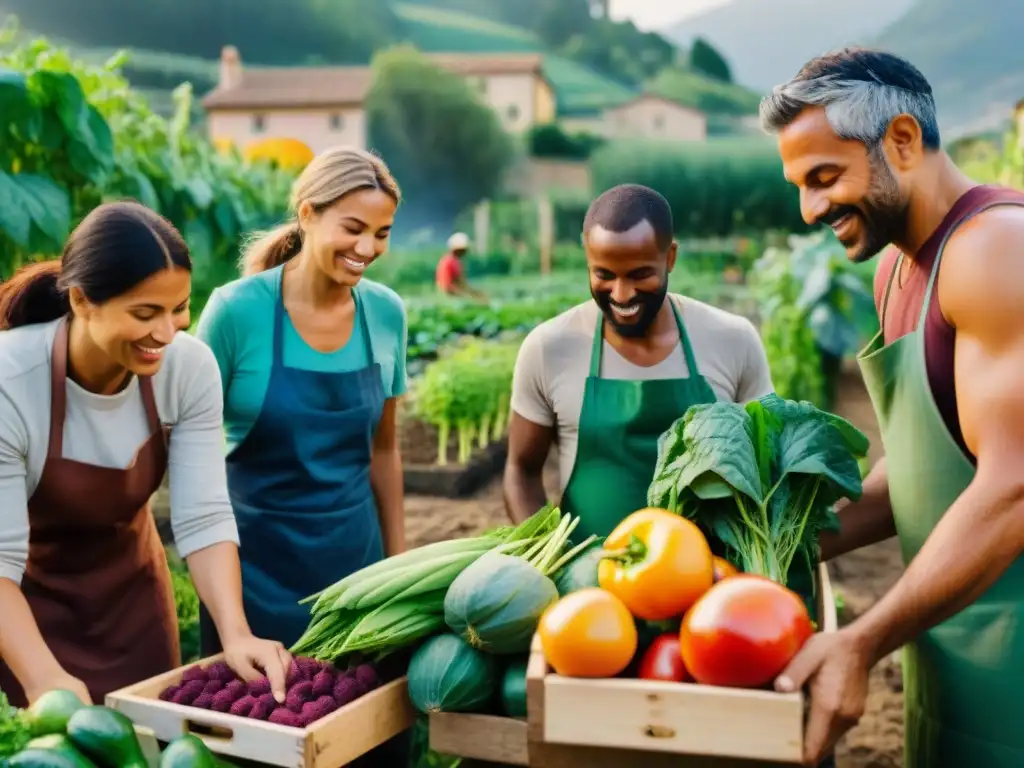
312,359
100,396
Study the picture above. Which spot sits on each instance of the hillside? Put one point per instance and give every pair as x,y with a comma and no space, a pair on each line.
973,54
580,89
766,41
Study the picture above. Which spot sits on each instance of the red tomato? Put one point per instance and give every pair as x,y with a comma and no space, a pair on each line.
743,632
662,660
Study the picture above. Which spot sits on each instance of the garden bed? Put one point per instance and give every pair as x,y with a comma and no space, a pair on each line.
424,477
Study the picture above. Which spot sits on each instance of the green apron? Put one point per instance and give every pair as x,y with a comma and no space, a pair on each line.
963,679
617,448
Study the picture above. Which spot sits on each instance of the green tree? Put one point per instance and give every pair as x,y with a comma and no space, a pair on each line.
445,146
620,51
708,61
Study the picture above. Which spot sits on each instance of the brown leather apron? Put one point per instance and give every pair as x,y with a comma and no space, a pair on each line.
96,577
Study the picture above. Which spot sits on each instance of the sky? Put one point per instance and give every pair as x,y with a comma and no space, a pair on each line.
655,14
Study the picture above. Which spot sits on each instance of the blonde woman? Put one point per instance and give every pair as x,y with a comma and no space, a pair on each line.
312,361
312,358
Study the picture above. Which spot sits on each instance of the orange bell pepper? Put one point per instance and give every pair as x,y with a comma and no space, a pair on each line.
657,563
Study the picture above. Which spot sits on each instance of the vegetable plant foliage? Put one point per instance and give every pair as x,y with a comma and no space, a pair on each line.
74,136
761,478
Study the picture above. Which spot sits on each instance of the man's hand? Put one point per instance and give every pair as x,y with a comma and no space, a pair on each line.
252,657
834,666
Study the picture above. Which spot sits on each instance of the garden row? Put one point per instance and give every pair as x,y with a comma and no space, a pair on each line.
560,642
813,307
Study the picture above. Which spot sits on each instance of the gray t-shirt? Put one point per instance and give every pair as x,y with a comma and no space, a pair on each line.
108,431
554,362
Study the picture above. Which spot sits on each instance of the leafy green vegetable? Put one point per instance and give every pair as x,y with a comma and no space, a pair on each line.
15,728
468,389
761,478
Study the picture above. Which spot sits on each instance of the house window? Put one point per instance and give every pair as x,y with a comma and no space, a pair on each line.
512,113
259,124
659,122
481,84
337,122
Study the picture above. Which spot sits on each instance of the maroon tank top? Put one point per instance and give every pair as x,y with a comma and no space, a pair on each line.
904,306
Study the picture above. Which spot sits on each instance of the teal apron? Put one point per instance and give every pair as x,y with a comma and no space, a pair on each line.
300,486
963,679
619,426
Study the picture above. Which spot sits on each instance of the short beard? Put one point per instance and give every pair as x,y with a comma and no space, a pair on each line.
650,305
883,210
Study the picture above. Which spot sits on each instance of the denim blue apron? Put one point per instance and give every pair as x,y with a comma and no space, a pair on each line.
300,487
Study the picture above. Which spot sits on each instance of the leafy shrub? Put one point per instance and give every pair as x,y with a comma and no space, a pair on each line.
716,187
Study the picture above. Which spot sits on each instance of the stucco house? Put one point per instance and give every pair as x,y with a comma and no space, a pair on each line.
650,116
323,106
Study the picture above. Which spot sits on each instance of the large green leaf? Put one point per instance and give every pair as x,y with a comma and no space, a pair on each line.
48,205
20,116
15,219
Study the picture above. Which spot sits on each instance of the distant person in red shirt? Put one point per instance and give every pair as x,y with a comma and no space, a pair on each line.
450,275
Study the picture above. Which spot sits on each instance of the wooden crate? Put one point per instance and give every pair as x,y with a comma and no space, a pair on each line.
585,723
480,737
332,742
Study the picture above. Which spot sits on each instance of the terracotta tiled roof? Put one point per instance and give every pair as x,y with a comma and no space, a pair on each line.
295,87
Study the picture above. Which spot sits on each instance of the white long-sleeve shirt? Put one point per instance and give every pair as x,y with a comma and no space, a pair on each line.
108,431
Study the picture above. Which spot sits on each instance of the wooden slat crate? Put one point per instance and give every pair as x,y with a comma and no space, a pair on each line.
480,737
332,742
620,723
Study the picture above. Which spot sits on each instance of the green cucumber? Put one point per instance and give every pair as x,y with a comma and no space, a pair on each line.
51,711
187,752
107,737
48,758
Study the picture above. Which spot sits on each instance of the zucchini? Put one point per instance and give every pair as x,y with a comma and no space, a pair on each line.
187,752
51,711
446,674
107,737
496,603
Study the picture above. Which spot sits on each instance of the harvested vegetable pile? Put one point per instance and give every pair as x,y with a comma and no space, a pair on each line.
761,478
666,609
315,690
59,731
390,605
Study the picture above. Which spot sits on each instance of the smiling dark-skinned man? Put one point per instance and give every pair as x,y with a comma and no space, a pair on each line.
858,137
605,379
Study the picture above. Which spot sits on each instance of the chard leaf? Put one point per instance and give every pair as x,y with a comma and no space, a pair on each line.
719,451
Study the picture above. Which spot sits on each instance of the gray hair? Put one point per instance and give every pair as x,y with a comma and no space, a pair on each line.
859,97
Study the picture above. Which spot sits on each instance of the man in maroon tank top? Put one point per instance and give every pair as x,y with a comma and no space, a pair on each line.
859,138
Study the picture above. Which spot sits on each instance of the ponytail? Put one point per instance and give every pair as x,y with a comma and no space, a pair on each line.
33,295
272,249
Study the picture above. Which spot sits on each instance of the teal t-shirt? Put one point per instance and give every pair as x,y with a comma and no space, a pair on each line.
238,325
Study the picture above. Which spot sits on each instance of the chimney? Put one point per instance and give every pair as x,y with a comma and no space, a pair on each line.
230,67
